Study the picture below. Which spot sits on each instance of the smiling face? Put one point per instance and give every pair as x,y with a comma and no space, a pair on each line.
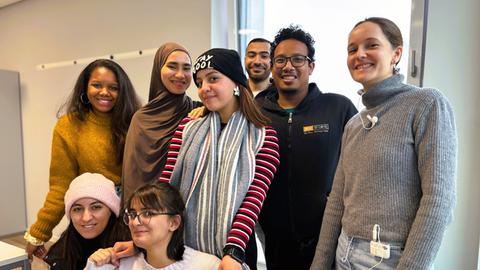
176,73
257,61
157,233
216,92
289,78
89,217
371,57
102,90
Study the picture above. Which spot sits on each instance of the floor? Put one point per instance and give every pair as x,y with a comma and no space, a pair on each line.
17,240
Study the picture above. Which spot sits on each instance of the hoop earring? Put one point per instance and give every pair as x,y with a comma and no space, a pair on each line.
84,99
236,91
396,69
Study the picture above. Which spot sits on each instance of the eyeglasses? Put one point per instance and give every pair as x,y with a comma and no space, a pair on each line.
295,60
144,216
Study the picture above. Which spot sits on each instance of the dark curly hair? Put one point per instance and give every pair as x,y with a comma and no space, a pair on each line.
294,32
126,105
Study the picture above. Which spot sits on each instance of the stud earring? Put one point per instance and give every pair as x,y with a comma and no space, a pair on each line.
236,91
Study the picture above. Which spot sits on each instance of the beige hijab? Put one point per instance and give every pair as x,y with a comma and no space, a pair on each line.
152,127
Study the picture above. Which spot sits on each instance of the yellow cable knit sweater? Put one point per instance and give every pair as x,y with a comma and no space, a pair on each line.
77,147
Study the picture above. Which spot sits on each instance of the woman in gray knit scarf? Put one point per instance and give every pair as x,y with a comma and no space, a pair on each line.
223,163
394,189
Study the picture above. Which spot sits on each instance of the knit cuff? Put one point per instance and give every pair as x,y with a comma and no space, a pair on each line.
41,230
32,240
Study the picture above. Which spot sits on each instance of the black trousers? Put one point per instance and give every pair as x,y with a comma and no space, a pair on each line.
251,252
282,253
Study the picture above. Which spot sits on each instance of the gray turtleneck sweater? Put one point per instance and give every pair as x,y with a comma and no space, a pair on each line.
399,174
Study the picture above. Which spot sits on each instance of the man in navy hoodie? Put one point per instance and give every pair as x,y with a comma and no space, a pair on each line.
309,124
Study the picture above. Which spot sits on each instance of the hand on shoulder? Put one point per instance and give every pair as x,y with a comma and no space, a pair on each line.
228,263
197,113
113,254
102,256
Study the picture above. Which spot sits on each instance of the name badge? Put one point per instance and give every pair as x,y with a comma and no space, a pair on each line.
321,128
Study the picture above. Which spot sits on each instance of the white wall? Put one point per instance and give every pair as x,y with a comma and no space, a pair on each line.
452,65
34,32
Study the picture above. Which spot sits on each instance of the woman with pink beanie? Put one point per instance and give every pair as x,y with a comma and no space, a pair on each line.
92,206
155,216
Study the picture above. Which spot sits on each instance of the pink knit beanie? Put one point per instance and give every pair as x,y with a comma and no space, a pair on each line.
95,186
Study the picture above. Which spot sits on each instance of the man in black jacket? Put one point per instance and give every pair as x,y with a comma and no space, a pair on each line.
309,124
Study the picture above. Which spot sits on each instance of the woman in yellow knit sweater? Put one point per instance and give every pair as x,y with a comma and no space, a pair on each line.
90,137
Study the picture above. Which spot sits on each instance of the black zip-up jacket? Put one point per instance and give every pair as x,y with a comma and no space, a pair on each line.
309,141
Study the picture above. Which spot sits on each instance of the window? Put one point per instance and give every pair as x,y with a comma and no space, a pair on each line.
330,23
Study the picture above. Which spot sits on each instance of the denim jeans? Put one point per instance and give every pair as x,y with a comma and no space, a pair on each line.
354,254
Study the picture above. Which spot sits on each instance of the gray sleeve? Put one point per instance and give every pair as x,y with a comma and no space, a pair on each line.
436,147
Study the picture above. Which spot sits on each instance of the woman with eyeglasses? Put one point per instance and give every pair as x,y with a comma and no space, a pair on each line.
89,137
394,189
92,206
155,216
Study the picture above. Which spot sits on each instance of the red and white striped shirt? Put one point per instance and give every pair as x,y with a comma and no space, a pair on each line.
267,161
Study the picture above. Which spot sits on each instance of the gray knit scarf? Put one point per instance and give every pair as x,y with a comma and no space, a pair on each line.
214,170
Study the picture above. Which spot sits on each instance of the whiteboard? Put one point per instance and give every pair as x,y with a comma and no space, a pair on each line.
12,180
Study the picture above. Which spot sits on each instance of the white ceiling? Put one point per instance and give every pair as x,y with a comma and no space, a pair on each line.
4,3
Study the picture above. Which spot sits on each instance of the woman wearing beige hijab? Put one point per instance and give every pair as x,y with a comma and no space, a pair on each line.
153,126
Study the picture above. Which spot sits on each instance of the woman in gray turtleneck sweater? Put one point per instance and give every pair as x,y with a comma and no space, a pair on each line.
397,166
